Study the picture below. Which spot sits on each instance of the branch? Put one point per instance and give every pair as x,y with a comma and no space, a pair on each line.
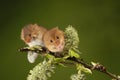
97,67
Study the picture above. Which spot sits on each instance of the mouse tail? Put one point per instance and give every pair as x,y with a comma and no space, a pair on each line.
32,56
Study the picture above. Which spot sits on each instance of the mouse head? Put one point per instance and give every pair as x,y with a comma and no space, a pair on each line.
30,34
54,40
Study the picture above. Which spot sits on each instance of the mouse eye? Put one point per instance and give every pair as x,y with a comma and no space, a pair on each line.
57,37
29,35
34,36
51,41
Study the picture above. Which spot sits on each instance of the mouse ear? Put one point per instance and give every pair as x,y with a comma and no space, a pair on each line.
56,28
36,25
22,34
53,29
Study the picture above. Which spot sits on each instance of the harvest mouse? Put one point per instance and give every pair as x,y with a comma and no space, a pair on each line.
32,35
54,40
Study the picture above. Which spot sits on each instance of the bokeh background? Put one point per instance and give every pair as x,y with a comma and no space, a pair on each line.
97,22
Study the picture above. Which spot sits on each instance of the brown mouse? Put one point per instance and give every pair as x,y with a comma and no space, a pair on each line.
54,40
32,35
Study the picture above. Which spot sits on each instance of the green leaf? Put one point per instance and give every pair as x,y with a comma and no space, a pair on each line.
57,60
73,54
86,70
37,47
93,63
49,56
66,56
61,64
81,68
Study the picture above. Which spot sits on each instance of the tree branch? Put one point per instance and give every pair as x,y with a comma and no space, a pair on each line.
97,67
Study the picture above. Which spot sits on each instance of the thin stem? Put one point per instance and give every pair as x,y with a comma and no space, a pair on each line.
98,67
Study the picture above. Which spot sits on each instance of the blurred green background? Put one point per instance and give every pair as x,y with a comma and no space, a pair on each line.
97,21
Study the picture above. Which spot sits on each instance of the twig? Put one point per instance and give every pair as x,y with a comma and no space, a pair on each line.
97,67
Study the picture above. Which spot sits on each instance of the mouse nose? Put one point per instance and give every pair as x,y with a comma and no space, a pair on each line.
57,43
60,47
